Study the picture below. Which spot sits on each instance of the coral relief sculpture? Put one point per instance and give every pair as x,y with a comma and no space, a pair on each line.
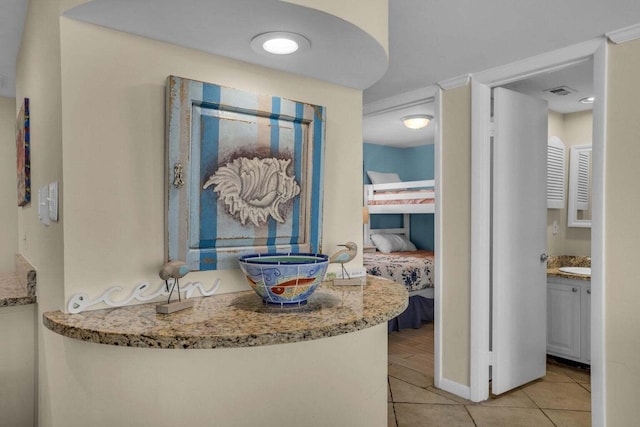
253,189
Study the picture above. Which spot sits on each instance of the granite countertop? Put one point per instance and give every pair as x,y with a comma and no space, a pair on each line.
555,262
238,319
19,287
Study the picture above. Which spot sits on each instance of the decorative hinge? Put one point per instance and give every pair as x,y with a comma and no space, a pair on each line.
178,176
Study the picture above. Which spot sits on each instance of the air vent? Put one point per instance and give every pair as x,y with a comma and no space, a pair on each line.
561,90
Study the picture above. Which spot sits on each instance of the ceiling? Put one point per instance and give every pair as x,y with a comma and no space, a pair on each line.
428,42
226,27
431,41
386,128
12,14
578,80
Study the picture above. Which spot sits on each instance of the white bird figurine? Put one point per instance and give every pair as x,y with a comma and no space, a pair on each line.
173,270
345,255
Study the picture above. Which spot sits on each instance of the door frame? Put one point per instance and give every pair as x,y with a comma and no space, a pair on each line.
426,95
481,84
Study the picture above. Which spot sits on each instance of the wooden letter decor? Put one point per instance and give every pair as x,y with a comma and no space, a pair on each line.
244,174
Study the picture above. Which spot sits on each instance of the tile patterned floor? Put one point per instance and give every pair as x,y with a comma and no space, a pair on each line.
562,398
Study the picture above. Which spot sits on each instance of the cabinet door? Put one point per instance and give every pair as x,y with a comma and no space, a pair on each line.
563,320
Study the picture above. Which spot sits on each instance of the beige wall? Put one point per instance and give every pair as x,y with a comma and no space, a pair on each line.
17,366
98,127
621,236
455,202
556,123
38,78
113,126
17,324
572,129
8,206
337,381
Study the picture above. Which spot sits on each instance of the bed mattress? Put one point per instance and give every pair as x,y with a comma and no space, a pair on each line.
412,269
403,197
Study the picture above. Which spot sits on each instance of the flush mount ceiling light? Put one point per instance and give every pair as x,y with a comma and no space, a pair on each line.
416,121
588,100
279,43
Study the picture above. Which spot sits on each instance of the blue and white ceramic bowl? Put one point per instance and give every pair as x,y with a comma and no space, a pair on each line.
284,278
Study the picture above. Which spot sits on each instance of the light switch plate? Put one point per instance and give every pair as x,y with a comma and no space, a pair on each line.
43,205
53,201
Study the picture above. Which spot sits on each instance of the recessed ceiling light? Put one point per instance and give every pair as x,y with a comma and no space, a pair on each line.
588,100
416,121
280,46
279,43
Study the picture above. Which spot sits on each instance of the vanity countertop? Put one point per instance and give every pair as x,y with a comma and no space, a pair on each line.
556,272
238,319
19,287
555,262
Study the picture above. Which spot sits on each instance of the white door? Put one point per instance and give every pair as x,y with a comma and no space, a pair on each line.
519,239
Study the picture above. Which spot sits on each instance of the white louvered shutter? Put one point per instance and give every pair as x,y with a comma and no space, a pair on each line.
555,173
584,166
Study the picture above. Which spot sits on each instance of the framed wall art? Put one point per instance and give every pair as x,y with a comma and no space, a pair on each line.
23,154
244,174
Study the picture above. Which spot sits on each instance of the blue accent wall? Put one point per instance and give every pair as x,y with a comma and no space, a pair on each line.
411,164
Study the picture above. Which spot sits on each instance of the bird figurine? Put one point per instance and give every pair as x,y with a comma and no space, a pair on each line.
343,256
173,270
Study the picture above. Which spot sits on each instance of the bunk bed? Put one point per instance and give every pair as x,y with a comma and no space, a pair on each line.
400,197
395,257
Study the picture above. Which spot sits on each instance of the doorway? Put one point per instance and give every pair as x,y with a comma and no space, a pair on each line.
481,356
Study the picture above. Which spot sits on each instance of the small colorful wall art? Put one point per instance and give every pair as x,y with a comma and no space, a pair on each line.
23,154
244,174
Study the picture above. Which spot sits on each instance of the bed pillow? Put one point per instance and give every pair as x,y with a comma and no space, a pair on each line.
383,178
388,243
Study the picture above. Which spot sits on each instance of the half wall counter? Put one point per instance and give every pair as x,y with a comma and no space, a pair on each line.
231,360
19,287
237,319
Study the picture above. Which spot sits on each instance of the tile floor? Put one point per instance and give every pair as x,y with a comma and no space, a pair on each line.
561,398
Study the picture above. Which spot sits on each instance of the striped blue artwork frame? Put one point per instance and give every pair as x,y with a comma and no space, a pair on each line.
244,174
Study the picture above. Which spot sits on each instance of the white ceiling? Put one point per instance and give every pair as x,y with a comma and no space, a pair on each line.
340,52
428,41
578,79
386,127
431,41
12,14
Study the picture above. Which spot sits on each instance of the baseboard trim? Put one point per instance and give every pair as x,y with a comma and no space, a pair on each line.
453,387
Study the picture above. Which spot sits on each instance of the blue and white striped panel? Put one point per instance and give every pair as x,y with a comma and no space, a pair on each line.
222,124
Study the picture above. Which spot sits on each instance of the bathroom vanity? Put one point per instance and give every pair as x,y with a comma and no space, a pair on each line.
569,315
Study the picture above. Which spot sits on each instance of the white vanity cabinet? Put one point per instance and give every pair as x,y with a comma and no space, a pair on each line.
568,318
